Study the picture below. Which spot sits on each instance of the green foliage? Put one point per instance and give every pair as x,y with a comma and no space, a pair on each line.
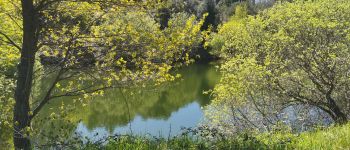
293,53
332,138
10,24
335,137
90,51
123,44
6,105
87,47
221,42
218,11
176,143
327,139
241,11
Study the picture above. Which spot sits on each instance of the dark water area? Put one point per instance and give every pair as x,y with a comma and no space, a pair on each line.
160,112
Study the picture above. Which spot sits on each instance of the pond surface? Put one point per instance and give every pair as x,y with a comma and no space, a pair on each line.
162,111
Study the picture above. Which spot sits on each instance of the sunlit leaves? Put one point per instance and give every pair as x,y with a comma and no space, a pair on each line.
293,53
136,46
10,36
6,105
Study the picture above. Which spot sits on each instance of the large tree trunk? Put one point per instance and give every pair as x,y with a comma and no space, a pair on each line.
24,77
339,117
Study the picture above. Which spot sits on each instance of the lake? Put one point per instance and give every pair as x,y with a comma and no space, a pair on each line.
160,111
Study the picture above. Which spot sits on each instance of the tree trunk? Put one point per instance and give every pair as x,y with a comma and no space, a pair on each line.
24,77
339,116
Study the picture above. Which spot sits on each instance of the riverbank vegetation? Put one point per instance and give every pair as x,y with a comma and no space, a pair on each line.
291,56
284,68
326,139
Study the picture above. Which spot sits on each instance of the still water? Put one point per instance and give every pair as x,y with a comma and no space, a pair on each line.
162,111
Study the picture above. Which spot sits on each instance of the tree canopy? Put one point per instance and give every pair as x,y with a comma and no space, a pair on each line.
86,47
294,53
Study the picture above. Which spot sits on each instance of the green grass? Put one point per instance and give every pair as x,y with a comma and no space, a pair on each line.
327,139
331,138
179,143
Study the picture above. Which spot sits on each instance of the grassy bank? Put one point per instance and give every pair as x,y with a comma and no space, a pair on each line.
331,138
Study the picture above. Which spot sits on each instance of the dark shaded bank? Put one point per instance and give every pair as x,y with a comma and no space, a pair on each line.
204,56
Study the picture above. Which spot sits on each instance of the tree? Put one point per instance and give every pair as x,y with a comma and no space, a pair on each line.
97,49
292,54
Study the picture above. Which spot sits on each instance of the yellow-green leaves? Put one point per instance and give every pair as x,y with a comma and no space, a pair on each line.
6,106
10,36
139,49
10,43
293,53
241,77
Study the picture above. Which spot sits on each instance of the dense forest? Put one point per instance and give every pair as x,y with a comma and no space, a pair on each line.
174,74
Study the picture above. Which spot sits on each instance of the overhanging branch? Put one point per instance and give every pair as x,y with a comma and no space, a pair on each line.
10,41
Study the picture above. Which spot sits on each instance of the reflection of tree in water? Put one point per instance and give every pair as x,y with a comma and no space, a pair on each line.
111,111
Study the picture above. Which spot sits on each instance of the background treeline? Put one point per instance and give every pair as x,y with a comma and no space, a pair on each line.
219,11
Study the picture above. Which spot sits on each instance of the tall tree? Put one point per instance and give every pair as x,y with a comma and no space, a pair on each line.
25,74
96,48
292,54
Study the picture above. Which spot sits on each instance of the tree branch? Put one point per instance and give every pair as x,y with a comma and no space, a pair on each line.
47,96
10,41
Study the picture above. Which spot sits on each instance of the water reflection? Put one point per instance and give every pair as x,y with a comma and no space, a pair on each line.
150,111
188,116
